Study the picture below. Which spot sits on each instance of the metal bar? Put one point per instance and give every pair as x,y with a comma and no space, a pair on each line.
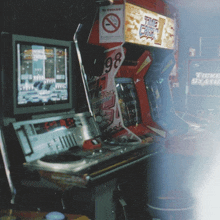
82,70
7,166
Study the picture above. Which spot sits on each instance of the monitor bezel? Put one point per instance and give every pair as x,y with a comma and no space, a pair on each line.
54,107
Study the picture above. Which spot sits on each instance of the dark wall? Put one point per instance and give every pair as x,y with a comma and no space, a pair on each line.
45,18
193,25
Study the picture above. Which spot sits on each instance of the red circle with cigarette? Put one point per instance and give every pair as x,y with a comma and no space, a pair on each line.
111,23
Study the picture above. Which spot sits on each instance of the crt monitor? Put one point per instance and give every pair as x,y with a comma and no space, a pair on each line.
40,79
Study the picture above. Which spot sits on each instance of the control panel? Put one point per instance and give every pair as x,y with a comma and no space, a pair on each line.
72,145
41,137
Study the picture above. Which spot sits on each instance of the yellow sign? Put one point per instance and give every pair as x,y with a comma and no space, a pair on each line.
148,28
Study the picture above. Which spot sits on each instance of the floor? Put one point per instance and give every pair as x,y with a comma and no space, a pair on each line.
133,186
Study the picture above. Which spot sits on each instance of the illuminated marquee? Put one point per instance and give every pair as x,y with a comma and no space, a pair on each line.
148,28
206,79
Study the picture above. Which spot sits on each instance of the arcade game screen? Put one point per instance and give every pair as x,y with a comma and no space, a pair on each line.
154,100
128,101
42,74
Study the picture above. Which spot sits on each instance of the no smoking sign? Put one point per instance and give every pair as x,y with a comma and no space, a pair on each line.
111,24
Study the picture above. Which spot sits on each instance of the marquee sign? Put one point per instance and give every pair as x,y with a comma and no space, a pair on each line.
148,28
204,77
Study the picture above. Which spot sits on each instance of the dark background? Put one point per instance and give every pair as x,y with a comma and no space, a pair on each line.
45,18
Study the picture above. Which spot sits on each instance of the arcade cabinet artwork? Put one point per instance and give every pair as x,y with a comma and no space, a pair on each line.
119,97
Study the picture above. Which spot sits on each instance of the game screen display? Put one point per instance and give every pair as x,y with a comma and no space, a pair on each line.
42,74
128,101
155,101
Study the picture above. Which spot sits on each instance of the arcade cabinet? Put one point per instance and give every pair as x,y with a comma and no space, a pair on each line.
55,158
129,96
116,33
202,101
39,122
36,81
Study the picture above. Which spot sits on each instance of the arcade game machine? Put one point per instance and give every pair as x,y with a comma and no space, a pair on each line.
201,99
125,95
37,109
114,89
203,90
202,82
55,158
117,95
